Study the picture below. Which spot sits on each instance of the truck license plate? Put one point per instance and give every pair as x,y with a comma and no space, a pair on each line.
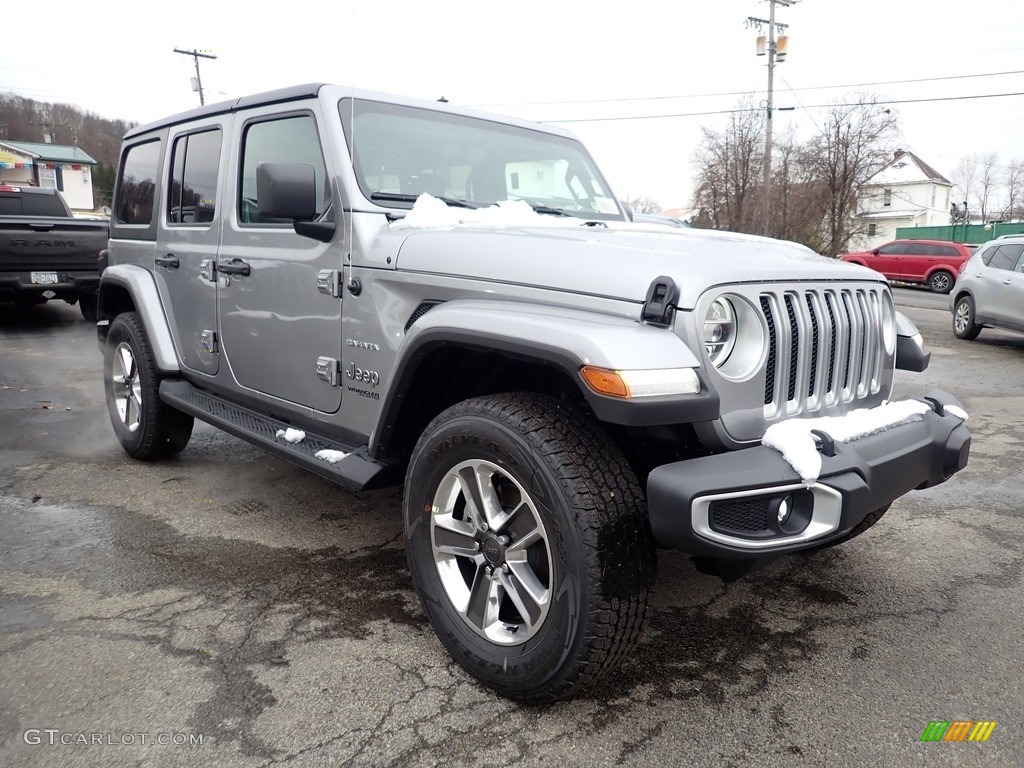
44,278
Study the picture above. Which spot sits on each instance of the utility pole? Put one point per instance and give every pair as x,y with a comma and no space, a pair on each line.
196,55
776,52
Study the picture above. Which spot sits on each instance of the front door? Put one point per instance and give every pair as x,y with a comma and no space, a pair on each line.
276,324
186,248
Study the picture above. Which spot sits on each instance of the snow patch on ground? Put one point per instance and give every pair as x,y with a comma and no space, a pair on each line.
292,435
793,438
331,456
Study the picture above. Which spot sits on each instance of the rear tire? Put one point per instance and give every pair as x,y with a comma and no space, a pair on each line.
528,544
146,427
941,282
88,305
964,326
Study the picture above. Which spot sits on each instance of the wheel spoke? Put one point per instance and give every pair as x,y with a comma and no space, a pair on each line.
478,487
525,591
455,537
126,362
522,528
482,610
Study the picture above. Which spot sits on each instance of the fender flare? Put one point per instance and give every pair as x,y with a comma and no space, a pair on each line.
563,338
141,286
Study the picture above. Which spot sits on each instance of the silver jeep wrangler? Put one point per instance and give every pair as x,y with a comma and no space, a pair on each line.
385,290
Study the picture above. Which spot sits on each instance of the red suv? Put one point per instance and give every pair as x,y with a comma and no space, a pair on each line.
935,263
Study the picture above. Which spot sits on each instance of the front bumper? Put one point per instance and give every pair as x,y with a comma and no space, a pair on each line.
727,506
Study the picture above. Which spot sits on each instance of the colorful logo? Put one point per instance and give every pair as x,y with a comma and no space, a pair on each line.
958,730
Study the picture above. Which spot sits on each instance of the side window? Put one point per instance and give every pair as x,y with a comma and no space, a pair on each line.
987,254
282,140
891,249
192,197
916,249
1006,257
947,251
136,187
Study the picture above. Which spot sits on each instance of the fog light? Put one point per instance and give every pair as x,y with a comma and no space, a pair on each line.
784,510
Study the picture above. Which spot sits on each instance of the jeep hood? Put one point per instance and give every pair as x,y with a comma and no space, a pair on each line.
616,261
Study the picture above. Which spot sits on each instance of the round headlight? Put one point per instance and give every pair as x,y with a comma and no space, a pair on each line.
734,337
720,331
888,324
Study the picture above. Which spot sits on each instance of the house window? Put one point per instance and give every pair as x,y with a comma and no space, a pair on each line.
872,229
887,197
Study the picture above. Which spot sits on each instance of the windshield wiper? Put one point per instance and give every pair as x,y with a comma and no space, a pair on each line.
400,197
541,208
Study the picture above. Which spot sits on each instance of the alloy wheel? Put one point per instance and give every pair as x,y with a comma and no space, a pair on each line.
127,386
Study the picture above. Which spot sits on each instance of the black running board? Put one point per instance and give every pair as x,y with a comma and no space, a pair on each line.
357,471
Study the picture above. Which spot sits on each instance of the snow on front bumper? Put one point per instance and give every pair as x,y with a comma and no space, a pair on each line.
752,503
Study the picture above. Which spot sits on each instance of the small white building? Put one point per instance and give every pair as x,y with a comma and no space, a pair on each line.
68,169
906,193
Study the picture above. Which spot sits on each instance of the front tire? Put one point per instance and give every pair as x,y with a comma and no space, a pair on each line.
146,427
528,544
964,326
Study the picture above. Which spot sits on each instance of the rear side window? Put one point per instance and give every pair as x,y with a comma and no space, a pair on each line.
192,196
32,204
946,251
282,140
136,187
1006,256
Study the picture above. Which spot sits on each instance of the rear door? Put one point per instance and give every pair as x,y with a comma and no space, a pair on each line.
994,292
186,249
281,334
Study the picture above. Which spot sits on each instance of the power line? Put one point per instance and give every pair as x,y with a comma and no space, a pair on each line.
758,109
743,93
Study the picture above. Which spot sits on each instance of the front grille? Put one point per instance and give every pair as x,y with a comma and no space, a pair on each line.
740,515
824,347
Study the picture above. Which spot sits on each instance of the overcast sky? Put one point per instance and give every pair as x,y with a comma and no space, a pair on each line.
115,59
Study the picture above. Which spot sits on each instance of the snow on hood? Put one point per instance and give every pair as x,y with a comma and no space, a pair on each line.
430,213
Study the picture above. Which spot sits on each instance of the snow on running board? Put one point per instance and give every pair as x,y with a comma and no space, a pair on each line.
291,435
793,438
331,456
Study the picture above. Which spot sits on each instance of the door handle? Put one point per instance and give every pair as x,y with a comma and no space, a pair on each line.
1006,282
170,261
234,267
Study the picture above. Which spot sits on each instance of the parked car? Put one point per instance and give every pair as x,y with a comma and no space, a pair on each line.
989,292
934,263
387,291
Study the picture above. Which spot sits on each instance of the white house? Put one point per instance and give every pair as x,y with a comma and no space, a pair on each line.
65,168
906,193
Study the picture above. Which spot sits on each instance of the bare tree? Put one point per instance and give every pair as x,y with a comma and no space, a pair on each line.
965,178
729,164
642,204
1014,181
855,143
987,182
797,207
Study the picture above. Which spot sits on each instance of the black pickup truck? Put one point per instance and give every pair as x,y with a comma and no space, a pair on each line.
46,253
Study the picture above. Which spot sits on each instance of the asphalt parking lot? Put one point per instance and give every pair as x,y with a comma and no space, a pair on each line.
228,609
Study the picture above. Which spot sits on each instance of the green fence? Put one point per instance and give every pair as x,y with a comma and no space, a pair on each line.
971,233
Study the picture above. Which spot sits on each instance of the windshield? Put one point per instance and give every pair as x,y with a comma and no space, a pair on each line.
402,152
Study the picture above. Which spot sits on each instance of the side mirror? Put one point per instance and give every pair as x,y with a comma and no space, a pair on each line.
285,191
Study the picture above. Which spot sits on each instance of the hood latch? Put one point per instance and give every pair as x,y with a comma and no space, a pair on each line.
661,301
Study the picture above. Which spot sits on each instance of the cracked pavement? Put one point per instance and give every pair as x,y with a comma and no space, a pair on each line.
229,594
